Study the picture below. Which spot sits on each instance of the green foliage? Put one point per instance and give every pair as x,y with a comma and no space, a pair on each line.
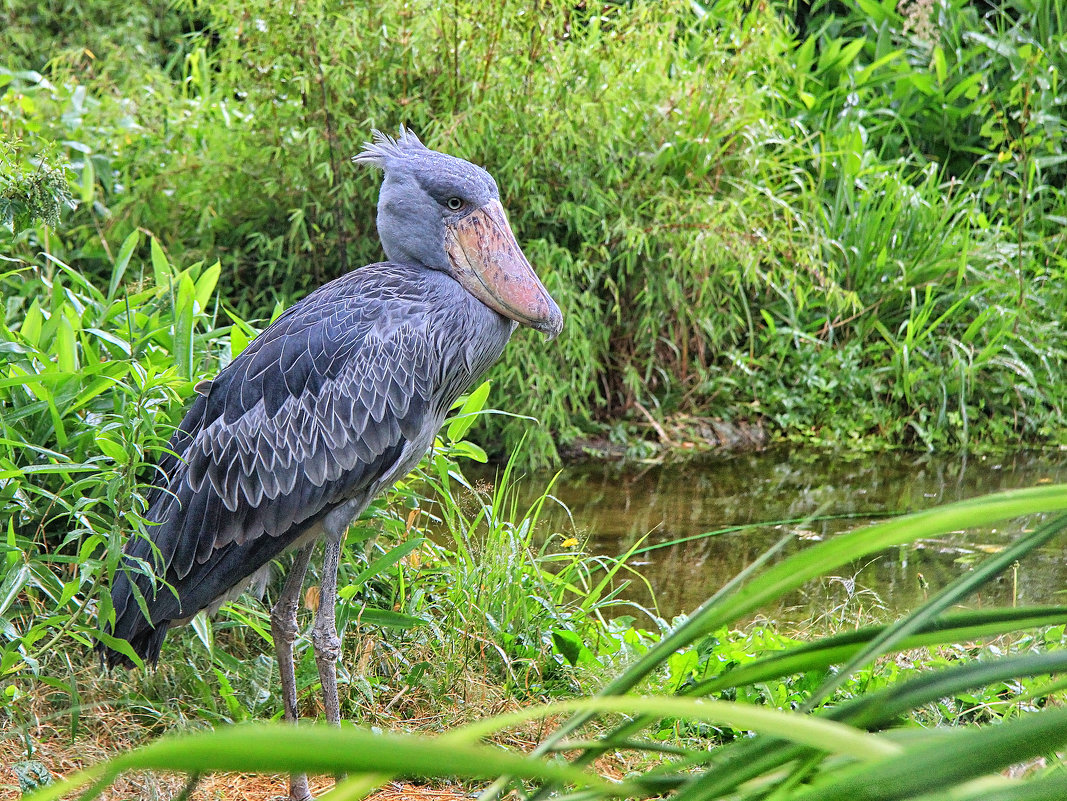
93,379
89,380
737,219
851,230
502,591
32,187
938,161
819,719
27,196
107,40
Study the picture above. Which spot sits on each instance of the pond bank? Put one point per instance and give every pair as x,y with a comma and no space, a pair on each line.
680,435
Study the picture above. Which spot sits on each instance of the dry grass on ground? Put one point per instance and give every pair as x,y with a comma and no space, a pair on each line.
55,750
105,729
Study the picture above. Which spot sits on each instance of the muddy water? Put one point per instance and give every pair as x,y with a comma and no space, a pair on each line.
814,496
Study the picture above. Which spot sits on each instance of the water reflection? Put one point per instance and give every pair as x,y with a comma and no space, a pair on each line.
615,506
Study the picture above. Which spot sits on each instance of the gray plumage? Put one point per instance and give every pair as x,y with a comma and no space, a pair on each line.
336,400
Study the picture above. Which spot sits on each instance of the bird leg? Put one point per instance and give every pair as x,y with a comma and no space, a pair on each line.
324,633
283,627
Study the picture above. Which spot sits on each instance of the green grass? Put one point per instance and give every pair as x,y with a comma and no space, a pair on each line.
788,719
852,232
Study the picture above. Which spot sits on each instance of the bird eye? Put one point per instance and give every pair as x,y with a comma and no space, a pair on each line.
454,203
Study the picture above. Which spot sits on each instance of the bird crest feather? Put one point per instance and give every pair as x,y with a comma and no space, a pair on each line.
385,148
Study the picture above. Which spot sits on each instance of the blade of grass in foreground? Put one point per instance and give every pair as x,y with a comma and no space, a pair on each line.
956,591
276,748
957,757
1043,788
794,571
744,761
282,748
770,753
822,734
962,626
762,524
748,759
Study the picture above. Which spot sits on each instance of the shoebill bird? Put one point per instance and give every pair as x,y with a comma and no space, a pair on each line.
336,400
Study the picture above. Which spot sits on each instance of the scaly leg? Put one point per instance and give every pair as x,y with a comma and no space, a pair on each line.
324,633
283,627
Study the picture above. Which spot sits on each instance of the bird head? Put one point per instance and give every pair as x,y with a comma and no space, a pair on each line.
445,213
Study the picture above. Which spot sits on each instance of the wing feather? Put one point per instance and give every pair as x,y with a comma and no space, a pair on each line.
336,415
188,542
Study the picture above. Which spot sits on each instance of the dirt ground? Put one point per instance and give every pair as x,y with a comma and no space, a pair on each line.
105,729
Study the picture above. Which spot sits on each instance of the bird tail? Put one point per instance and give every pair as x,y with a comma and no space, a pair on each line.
130,625
146,644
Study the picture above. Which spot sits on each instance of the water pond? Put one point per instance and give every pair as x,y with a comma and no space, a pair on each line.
814,495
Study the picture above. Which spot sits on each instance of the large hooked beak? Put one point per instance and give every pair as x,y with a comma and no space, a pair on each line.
489,264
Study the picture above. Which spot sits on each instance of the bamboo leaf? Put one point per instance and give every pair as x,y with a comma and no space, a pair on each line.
122,262
161,269
388,619
384,562
13,584
184,322
206,283
471,407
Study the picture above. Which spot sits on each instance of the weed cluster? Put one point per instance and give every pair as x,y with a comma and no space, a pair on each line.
89,380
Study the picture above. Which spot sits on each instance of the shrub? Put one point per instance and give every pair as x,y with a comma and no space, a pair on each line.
729,211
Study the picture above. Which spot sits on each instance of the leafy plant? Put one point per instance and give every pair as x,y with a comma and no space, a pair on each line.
741,218
89,378
526,609
810,749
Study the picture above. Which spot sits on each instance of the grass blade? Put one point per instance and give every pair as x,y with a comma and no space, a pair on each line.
745,760
792,572
959,627
820,655
277,747
963,755
953,593
825,735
